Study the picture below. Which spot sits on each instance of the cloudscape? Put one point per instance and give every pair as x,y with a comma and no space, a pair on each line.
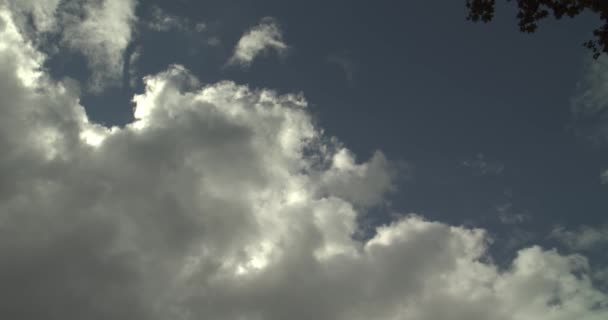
222,160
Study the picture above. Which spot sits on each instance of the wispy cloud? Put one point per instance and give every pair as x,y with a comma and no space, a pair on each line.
590,102
99,30
508,214
161,21
592,90
346,64
265,37
132,68
482,166
583,238
604,177
102,36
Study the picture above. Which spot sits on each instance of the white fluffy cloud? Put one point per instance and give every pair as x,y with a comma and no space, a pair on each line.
224,202
262,38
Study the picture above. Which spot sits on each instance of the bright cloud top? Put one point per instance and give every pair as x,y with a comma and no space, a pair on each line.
224,202
264,37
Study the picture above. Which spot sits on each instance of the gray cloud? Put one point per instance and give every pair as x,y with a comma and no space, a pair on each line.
223,202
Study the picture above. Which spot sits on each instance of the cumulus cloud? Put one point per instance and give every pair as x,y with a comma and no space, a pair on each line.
264,37
583,238
224,202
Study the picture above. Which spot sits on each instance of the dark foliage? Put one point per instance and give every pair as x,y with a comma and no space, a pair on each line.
530,12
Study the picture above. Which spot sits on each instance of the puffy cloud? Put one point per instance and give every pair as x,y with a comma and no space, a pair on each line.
224,202
362,184
260,39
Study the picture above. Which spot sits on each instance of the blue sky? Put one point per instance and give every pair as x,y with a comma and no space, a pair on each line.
229,149
427,87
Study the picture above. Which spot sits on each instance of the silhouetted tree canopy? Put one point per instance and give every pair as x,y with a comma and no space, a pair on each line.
532,11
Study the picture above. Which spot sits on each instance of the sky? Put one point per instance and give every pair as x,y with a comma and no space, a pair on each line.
299,160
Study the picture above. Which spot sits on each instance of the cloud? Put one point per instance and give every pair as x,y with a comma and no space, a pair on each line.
260,39
133,75
344,62
361,184
224,202
162,21
507,214
592,90
604,177
481,166
584,238
42,13
102,36
589,104
99,30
